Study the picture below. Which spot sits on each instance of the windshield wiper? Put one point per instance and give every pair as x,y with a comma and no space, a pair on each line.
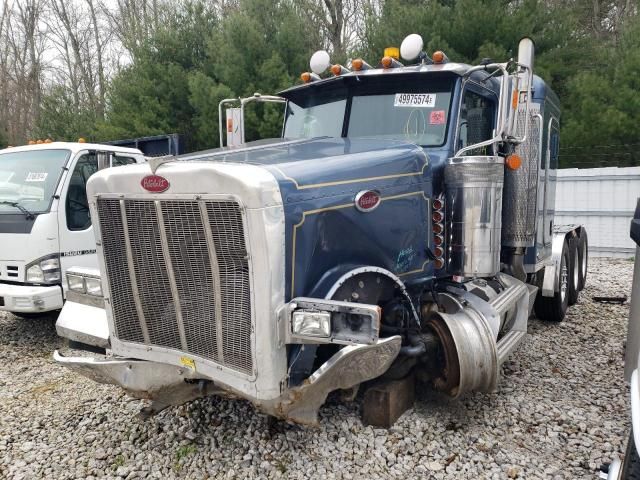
27,213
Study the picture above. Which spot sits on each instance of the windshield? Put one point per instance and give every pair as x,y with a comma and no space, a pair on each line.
29,178
413,108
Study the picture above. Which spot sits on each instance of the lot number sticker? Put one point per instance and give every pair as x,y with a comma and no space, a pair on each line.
415,100
36,177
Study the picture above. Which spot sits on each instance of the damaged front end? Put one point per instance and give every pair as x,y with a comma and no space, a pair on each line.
167,385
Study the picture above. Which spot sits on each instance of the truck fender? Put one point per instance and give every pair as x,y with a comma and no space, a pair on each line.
550,284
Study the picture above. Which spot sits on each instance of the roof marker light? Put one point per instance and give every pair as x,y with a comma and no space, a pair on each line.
39,142
359,64
390,62
319,62
338,70
81,140
308,77
439,57
411,47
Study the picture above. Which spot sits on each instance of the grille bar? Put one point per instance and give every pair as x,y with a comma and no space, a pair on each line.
132,274
178,276
171,276
215,271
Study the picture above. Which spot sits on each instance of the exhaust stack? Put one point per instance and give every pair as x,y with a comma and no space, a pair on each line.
526,52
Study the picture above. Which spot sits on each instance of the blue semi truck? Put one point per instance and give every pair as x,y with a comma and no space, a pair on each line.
402,227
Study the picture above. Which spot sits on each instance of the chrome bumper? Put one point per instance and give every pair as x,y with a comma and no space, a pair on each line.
169,385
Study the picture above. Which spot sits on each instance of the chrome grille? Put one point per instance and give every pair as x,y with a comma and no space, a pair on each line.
178,274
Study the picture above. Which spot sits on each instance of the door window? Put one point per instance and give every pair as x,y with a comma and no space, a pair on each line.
77,205
118,161
476,121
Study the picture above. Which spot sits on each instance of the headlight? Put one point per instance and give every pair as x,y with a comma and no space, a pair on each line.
315,320
81,280
316,324
76,283
94,286
44,270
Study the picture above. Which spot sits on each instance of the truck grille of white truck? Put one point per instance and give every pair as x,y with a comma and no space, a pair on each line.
178,276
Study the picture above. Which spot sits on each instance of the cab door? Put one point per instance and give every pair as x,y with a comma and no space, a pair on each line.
77,242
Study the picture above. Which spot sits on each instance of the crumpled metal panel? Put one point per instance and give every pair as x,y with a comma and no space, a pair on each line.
519,204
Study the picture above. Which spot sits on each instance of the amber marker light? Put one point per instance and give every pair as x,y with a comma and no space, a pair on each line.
305,77
357,64
386,62
336,69
81,140
438,56
513,162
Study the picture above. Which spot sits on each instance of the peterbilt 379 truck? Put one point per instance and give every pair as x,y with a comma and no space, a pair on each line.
402,225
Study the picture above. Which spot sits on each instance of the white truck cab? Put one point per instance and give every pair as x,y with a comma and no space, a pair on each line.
45,225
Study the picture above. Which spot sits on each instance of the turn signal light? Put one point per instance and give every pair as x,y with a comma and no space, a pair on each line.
513,162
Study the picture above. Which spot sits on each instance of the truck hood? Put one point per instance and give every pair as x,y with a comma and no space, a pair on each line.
303,166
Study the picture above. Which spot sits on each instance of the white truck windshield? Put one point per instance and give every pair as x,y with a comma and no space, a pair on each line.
29,179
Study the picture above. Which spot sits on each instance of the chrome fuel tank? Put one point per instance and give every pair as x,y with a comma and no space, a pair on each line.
473,215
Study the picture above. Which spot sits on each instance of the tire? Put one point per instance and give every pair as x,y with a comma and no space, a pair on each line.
573,289
554,309
631,462
583,255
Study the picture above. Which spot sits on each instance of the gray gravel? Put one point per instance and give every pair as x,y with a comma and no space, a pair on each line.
560,412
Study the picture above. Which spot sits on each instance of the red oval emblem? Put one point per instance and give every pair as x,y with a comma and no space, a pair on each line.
154,183
367,200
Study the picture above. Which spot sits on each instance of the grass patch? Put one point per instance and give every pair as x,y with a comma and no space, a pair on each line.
118,462
182,453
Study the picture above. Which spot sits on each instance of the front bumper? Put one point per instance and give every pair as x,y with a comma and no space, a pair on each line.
83,323
29,298
170,385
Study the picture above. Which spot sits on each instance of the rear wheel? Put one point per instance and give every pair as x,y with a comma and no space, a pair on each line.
583,256
573,289
554,308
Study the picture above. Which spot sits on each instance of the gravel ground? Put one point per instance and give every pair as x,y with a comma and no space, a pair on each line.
560,412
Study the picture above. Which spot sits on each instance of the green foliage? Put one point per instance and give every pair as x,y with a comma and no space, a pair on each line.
60,118
203,54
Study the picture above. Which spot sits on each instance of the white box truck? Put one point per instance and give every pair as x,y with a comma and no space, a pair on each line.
45,225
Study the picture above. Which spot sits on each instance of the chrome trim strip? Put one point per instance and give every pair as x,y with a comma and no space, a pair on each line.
215,271
170,275
132,275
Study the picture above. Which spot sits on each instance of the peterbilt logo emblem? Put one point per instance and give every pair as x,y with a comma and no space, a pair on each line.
367,200
154,183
